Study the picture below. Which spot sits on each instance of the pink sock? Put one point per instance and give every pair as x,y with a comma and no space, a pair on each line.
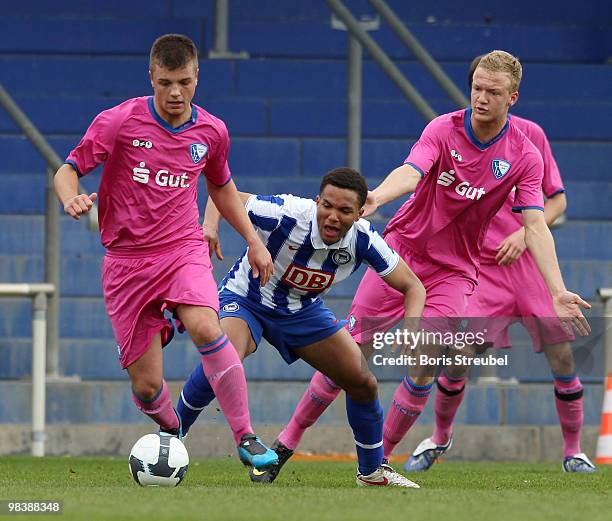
448,399
159,409
406,406
223,370
568,398
320,394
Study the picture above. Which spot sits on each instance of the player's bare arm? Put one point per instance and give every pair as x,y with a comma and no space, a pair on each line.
402,180
513,246
66,183
403,279
210,226
231,207
542,246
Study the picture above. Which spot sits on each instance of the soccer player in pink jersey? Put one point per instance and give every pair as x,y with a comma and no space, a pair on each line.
154,149
461,170
502,295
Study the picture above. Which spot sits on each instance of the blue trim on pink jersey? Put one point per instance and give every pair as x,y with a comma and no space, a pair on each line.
175,130
468,129
416,168
73,165
519,209
560,191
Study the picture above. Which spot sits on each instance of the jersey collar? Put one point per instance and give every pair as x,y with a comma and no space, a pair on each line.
317,241
175,130
470,132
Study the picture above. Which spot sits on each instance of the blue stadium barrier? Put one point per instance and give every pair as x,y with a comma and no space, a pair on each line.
264,157
326,79
82,317
451,42
90,35
102,76
531,405
78,8
443,11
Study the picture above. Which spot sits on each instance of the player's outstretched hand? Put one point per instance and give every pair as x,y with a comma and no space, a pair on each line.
211,236
79,205
567,306
511,248
261,262
370,205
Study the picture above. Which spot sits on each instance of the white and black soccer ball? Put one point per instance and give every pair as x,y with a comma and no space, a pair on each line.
158,461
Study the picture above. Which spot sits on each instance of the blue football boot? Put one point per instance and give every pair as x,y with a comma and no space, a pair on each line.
425,455
253,453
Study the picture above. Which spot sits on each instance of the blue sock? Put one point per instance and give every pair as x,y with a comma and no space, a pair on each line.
366,420
195,396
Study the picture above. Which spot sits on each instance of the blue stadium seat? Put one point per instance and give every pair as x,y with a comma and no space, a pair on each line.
42,75
286,113
443,11
450,42
84,35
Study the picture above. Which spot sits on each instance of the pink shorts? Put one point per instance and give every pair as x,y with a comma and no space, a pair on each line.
137,289
516,293
377,306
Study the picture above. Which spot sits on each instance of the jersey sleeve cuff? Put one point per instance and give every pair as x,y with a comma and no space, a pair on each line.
220,184
73,164
560,191
392,265
417,168
519,209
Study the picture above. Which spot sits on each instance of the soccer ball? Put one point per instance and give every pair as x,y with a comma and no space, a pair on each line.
158,461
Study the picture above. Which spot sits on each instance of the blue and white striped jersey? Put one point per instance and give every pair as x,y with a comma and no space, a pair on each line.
304,266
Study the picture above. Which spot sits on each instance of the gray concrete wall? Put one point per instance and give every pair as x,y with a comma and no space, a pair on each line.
213,439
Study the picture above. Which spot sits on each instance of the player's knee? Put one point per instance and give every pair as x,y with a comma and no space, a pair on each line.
363,388
146,390
205,333
421,380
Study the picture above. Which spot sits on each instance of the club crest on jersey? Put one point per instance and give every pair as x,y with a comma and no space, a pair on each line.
232,307
341,257
500,168
198,151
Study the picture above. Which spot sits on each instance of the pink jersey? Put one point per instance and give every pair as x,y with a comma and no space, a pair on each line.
464,184
148,192
505,221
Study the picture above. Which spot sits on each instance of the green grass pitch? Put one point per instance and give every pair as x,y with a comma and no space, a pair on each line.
101,488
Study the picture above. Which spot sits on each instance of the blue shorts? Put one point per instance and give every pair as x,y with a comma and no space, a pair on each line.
285,332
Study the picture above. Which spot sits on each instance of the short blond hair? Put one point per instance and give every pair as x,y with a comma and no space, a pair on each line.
502,61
